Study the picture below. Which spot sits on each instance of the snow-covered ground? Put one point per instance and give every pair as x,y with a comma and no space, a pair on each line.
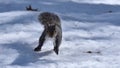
90,34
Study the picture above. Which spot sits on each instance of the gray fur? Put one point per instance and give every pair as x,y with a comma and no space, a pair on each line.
52,28
47,18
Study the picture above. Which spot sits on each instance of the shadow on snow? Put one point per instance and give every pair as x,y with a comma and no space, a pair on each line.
27,55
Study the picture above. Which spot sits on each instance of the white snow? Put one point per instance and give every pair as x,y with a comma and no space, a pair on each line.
115,2
86,28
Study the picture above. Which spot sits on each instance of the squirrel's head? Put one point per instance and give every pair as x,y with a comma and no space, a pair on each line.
47,18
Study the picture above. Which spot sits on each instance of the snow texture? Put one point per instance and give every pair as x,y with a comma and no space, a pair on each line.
91,30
